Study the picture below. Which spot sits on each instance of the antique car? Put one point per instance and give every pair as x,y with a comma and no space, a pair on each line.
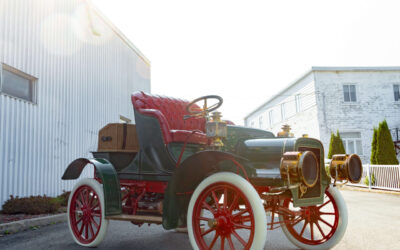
182,166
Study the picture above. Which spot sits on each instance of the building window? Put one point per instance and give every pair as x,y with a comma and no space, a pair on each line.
271,122
396,90
298,103
349,92
252,124
352,142
283,111
260,122
18,84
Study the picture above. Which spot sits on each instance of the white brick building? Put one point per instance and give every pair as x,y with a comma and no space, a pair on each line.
350,99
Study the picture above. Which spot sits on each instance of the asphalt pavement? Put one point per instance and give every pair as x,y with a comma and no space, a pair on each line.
374,223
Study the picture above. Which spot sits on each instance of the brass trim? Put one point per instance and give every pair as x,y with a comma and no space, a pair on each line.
303,156
339,168
291,168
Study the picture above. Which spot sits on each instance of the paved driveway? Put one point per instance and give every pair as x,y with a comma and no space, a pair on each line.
374,223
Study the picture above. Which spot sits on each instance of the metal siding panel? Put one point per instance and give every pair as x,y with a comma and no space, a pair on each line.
77,94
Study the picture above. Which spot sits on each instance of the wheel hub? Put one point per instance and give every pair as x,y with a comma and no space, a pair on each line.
312,213
87,213
222,223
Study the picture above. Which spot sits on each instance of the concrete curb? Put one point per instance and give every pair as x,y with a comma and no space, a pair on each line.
21,225
379,191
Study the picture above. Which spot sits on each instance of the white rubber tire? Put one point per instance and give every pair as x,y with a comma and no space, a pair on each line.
98,188
341,229
260,219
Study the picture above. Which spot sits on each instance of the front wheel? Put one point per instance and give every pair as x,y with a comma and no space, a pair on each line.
316,227
86,218
225,210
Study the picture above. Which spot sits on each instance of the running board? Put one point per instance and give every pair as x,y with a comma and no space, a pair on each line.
136,218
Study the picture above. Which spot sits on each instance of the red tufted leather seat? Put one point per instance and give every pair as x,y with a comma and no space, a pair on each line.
170,112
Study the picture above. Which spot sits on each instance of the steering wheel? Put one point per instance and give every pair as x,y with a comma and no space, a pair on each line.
196,111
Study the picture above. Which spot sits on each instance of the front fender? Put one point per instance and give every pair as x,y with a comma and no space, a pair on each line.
109,178
189,174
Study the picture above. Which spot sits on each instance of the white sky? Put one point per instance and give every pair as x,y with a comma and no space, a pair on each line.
246,51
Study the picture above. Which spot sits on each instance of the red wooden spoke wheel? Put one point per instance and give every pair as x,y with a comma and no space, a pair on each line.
317,227
222,214
86,215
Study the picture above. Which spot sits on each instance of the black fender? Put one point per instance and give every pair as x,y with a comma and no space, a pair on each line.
109,178
188,176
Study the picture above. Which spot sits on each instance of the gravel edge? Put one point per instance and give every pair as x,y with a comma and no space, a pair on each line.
21,225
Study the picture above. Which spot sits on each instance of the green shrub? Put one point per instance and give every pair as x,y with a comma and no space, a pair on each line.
31,205
366,180
63,198
340,146
373,146
385,151
335,145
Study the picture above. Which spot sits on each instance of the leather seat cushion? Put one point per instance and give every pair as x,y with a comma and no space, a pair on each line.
169,112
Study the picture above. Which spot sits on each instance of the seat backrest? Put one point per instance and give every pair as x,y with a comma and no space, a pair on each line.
173,110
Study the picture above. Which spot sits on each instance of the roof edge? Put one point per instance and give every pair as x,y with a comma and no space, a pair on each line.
118,32
356,68
279,93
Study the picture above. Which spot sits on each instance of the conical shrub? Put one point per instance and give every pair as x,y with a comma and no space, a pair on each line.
339,143
373,146
385,151
335,145
331,145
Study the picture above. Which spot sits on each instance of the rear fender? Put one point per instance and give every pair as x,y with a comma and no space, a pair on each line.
189,175
109,178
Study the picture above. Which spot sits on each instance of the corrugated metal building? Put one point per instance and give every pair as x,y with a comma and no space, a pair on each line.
66,71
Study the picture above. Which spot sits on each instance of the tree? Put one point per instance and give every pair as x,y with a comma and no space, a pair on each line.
331,145
335,145
385,151
339,142
373,146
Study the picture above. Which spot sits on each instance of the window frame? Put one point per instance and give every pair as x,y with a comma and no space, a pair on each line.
297,103
398,92
32,81
270,118
283,111
260,121
355,93
354,140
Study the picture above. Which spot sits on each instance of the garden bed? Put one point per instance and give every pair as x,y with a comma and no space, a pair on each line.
16,209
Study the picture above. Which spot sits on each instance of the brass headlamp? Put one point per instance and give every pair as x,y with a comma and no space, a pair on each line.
301,168
346,167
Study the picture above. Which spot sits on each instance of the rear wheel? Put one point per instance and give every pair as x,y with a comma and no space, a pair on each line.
86,218
225,211
317,227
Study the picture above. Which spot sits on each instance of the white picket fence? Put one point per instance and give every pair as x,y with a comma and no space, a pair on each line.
383,177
